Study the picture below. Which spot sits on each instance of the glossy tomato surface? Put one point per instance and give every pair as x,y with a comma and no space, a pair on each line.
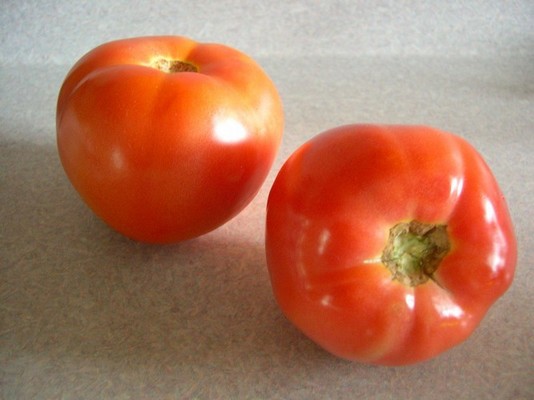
330,217
166,138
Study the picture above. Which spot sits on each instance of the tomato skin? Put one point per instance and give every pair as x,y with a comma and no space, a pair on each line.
328,217
160,156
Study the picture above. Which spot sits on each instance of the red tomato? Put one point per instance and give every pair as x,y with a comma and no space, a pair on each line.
165,138
387,244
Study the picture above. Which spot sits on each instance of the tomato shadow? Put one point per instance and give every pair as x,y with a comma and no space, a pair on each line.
77,293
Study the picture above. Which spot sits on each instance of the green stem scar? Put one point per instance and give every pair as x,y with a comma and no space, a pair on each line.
414,251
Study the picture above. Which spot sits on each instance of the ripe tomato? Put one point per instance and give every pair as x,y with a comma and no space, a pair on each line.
165,138
387,244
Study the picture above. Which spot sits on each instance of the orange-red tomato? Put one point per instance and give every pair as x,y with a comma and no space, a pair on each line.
387,244
166,138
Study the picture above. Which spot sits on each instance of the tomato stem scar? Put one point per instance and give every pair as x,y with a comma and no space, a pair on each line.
414,251
173,66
